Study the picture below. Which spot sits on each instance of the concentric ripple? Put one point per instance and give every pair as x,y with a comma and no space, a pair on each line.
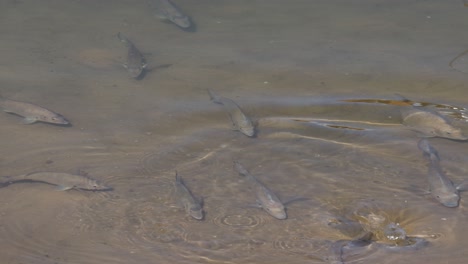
241,219
309,247
238,221
55,233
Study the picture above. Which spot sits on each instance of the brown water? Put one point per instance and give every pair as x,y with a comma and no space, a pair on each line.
319,78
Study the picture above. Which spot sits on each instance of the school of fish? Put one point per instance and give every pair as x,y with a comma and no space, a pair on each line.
425,122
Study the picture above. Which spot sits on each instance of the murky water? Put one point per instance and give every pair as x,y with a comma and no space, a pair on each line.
318,77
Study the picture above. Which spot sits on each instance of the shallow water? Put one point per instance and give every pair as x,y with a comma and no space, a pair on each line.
318,77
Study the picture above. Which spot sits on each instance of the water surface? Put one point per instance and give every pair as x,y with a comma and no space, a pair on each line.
318,77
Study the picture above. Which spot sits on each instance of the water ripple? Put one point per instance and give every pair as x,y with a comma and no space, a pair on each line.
241,219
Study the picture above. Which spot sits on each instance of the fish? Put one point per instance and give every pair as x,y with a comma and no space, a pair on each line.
441,187
240,121
431,124
63,181
336,252
337,248
136,63
168,10
266,199
346,226
186,198
31,112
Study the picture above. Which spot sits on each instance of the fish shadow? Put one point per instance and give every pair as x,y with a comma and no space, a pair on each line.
53,124
7,183
62,125
110,189
146,71
142,75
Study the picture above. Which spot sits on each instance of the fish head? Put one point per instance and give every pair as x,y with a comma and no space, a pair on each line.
196,212
53,119
135,72
449,132
248,130
448,199
277,212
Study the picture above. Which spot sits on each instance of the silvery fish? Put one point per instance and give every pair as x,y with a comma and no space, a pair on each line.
239,120
191,205
441,187
336,252
63,181
337,248
168,10
31,113
266,199
430,124
136,63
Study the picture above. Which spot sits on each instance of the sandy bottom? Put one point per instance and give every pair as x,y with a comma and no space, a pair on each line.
319,79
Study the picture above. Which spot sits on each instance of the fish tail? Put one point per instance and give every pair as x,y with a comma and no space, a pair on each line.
240,169
214,97
6,180
177,177
428,151
402,98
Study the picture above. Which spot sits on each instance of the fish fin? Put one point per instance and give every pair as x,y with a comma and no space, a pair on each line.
420,134
214,97
162,66
162,17
159,12
428,150
234,127
8,111
29,120
82,172
463,186
295,199
240,168
362,240
63,188
417,190
254,122
402,98
407,101
255,205
123,39
426,192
